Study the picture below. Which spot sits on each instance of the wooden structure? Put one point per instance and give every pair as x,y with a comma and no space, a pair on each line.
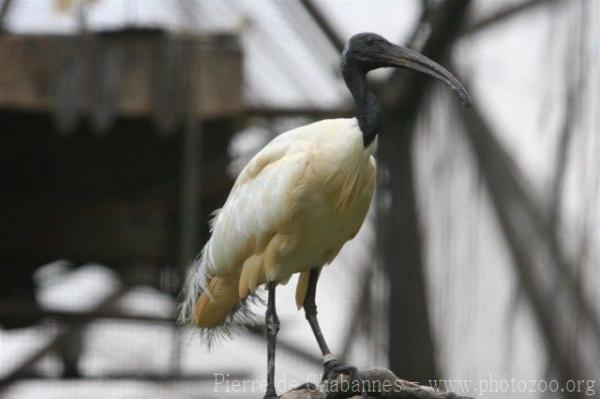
100,155
130,73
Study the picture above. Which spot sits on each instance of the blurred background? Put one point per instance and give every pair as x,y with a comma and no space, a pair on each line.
125,122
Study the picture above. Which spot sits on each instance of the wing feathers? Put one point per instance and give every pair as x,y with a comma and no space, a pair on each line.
250,275
256,211
302,288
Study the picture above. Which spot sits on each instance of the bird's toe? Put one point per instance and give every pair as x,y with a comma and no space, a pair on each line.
353,382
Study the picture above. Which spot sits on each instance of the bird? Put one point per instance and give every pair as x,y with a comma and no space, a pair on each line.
294,206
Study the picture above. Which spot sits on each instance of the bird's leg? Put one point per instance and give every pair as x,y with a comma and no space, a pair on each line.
310,311
272,327
332,367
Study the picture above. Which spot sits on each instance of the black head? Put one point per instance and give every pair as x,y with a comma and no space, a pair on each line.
368,51
363,50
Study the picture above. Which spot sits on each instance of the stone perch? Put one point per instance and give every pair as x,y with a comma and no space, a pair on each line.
376,383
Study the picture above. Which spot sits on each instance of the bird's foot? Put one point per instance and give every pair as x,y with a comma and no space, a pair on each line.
333,377
334,368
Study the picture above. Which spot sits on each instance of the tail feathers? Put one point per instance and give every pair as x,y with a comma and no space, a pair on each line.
213,304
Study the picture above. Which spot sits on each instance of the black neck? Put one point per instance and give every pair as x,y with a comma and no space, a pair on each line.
366,106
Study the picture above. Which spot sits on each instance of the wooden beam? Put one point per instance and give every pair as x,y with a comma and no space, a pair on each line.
312,112
135,376
14,311
324,24
4,9
410,338
504,15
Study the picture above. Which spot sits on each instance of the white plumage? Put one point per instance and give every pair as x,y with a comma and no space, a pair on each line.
291,209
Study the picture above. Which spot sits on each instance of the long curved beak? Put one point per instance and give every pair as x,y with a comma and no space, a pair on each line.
401,57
